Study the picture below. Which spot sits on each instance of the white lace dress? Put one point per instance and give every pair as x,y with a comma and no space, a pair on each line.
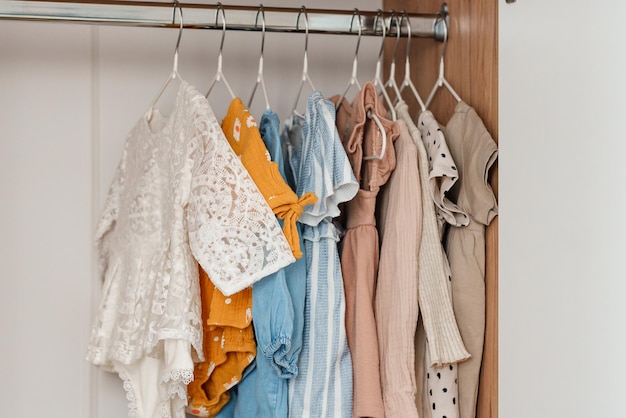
180,194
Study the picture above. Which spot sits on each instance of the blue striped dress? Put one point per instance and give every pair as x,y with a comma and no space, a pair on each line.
323,386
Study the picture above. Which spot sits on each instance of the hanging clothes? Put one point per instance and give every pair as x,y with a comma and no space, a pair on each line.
474,151
272,307
295,273
279,309
441,392
287,157
444,339
173,198
361,137
396,307
437,316
323,386
224,368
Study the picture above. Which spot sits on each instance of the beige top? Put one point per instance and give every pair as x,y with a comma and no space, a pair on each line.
475,152
444,339
361,137
400,228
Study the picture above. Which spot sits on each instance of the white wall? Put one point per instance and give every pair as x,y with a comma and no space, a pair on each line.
562,223
68,96
45,218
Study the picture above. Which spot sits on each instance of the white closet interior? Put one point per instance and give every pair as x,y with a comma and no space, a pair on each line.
69,95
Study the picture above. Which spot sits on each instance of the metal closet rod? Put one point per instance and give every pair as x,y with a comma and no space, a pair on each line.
203,16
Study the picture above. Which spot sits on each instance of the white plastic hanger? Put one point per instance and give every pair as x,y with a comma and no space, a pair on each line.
355,64
407,65
391,82
174,74
305,64
259,78
378,82
219,75
441,80
354,81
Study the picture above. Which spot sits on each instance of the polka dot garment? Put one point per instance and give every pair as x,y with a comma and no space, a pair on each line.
443,392
443,171
442,382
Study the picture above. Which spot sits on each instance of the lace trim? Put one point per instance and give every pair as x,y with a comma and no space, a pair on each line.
174,378
130,392
165,413
177,381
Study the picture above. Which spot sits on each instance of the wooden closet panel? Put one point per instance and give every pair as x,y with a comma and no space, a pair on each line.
472,69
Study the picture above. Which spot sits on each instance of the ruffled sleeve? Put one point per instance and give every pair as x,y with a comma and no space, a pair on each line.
325,169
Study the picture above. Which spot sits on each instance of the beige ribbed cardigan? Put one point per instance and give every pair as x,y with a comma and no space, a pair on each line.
444,338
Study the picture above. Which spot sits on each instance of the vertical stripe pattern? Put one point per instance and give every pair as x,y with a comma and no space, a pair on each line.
323,386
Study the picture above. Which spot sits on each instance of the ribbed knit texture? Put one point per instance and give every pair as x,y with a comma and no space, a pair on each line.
396,305
444,339
441,382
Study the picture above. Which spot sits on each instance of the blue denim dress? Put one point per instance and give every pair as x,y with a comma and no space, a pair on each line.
295,273
278,319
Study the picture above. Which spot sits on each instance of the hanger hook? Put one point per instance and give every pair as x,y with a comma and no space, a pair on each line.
259,79
358,41
305,61
445,36
261,12
405,16
407,63
219,75
180,31
306,29
220,11
441,80
396,19
379,15
174,74
355,62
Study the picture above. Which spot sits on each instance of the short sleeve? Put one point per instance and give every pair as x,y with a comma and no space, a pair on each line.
483,205
324,169
233,233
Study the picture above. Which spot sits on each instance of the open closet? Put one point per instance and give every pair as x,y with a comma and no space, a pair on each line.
472,68
71,93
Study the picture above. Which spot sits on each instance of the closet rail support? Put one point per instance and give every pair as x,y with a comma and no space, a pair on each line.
202,16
